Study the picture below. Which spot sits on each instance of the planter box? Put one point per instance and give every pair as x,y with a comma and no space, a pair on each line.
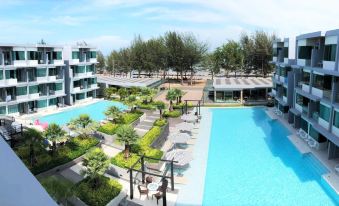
118,172
117,199
159,142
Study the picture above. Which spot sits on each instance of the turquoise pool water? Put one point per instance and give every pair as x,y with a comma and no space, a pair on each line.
95,110
252,162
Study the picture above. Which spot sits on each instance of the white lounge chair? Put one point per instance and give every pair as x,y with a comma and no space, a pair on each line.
336,169
303,135
312,143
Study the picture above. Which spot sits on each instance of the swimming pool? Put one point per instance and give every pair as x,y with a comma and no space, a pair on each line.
252,162
95,111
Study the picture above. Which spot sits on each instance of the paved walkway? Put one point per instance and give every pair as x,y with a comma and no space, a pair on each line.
145,125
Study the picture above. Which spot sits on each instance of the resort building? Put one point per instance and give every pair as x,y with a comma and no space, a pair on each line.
315,107
283,78
82,82
31,78
248,91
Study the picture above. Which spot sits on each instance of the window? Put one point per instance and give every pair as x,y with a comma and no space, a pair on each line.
284,93
33,89
41,72
57,55
58,86
42,103
89,68
324,112
336,119
285,52
75,55
330,52
93,54
13,109
3,110
32,55
21,91
10,74
304,52
1,74
316,136
80,96
18,55
80,69
306,76
304,125
52,102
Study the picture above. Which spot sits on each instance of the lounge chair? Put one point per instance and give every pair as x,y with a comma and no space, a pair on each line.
143,191
312,143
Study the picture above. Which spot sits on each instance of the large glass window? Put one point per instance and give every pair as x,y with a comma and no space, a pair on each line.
18,55
304,125
80,69
75,55
336,119
21,91
58,86
304,52
89,68
322,82
52,102
41,72
34,89
13,109
324,112
93,54
316,136
10,74
32,55
57,55
1,74
42,103
3,110
306,76
330,52
80,96
285,52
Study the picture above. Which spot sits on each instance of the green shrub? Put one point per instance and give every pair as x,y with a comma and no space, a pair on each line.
173,114
181,105
120,161
74,148
149,137
57,187
146,106
160,122
107,190
108,128
130,117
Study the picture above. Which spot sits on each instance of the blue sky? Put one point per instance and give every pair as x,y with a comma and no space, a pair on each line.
112,24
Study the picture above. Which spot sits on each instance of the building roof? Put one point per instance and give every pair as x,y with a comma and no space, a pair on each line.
241,83
18,185
30,45
128,82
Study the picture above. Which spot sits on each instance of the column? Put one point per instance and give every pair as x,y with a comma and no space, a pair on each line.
215,95
241,96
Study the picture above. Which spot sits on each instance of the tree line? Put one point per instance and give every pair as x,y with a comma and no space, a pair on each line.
185,54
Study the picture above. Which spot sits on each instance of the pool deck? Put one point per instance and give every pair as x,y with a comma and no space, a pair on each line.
193,192
331,178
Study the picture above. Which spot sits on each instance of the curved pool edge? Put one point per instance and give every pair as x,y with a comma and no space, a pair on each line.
193,192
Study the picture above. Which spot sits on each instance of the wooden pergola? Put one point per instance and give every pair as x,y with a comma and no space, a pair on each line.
164,177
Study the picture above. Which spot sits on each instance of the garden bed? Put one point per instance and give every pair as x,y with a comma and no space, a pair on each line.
74,148
101,196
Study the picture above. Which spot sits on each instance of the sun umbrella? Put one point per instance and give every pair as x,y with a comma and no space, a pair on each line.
182,157
184,126
179,138
188,118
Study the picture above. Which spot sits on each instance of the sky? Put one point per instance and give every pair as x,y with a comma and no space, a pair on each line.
112,24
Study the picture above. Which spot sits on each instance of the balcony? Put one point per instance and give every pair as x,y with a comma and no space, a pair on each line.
22,97
315,116
317,92
284,99
305,87
299,108
80,75
42,79
305,110
52,78
8,82
325,124
33,96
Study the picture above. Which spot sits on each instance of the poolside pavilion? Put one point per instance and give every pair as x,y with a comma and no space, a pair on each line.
249,91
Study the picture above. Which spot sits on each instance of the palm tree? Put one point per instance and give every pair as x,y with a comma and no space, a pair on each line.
83,125
114,113
35,141
179,94
123,93
160,106
54,133
109,91
171,96
128,136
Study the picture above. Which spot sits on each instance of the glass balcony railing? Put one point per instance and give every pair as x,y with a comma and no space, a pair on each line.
315,116
327,94
305,110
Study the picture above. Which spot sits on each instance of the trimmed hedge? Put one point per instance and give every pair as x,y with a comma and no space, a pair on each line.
160,122
107,191
146,106
120,161
130,117
179,106
108,128
74,148
172,114
149,137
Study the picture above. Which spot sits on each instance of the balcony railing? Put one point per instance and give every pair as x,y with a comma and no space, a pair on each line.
315,116
327,94
305,110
